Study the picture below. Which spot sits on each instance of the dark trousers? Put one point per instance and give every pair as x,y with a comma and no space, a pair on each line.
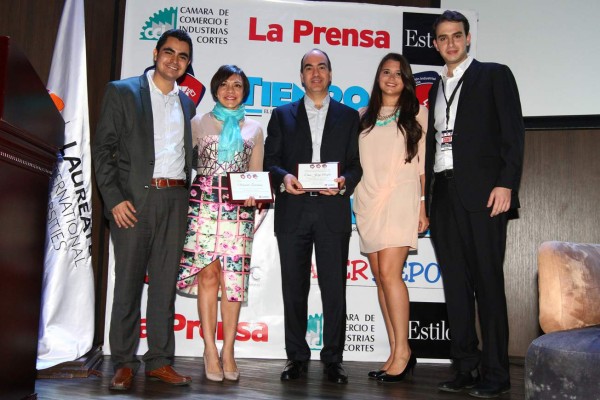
154,247
331,253
470,250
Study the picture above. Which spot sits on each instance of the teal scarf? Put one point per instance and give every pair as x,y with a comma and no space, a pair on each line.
230,140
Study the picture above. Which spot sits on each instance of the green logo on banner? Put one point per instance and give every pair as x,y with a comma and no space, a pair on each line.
314,332
160,22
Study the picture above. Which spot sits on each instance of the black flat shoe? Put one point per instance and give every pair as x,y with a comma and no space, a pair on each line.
376,374
336,373
410,366
488,390
293,370
462,380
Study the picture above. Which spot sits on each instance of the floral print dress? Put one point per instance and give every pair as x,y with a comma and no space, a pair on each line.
218,229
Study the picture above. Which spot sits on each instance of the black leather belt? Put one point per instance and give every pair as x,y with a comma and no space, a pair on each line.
314,194
162,183
447,173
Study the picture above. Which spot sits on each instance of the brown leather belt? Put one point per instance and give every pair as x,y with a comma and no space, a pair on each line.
162,183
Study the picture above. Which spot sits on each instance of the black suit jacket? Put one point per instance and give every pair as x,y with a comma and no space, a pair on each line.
488,140
289,143
123,146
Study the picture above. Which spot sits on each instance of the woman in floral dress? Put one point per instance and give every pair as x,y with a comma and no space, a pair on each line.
218,245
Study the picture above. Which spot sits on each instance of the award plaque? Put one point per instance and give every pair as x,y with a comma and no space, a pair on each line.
318,176
243,185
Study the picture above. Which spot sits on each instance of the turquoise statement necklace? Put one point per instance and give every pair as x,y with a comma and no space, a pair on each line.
383,120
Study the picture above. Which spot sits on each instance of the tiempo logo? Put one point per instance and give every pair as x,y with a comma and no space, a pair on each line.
158,23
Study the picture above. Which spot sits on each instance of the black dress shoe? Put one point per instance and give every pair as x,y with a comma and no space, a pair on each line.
462,380
376,373
336,373
293,370
488,390
410,366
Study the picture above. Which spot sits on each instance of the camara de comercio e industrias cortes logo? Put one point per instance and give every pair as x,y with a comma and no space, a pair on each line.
158,23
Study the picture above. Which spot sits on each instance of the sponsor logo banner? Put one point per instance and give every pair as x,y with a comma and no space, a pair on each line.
267,40
417,39
428,331
424,81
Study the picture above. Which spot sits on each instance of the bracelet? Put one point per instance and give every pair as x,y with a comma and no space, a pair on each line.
422,198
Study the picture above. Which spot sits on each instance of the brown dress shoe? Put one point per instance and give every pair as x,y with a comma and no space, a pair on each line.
168,375
122,379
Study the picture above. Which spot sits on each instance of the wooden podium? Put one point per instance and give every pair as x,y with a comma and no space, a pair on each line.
31,133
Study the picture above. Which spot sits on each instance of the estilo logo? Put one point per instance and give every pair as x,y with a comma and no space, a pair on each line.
417,39
158,23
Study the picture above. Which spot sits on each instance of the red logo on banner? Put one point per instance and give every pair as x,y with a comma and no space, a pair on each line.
192,87
246,331
424,81
357,270
333,36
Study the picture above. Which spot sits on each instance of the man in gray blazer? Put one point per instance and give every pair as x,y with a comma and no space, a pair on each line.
142,155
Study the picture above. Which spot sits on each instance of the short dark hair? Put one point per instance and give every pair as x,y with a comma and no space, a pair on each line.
310,51
222,74
451,16
177,34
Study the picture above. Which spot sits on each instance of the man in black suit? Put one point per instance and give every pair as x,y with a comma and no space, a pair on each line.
315,129
474,158
142,155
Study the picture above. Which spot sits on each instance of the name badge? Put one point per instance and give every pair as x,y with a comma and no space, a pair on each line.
446,140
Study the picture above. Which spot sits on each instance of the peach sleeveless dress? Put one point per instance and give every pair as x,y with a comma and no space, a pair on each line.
387,199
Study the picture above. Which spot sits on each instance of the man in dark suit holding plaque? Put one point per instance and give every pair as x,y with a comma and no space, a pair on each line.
474,157
142,156
316,129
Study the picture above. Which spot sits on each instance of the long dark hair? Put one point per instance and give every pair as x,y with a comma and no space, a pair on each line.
408,104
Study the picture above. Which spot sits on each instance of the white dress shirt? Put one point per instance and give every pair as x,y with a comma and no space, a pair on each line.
443,142
169,151
316,120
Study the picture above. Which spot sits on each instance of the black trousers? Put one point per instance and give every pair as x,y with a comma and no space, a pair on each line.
331,254
470,249
154,246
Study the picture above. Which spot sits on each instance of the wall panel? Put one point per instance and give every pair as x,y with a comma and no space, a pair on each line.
559,196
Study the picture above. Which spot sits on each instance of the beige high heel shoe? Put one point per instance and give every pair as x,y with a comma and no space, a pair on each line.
213,376
230,375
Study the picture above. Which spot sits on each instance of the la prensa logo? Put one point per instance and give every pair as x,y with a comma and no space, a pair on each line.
158,23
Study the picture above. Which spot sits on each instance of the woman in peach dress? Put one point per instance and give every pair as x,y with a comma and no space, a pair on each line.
388,201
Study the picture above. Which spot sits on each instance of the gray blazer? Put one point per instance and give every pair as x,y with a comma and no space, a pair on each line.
123,146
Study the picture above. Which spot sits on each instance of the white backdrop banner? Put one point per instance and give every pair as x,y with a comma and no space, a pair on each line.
267,40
